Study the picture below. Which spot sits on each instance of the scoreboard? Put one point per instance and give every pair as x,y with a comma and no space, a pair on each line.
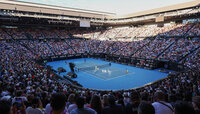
84,23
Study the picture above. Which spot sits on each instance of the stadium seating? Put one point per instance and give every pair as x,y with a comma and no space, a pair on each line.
23,77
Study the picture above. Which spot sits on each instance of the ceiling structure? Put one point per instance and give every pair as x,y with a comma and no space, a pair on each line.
11,9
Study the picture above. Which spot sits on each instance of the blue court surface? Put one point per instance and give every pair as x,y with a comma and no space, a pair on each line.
98,74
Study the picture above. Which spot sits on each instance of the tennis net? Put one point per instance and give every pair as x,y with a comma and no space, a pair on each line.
98,66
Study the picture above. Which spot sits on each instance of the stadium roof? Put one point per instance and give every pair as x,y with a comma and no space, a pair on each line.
161,10
58,10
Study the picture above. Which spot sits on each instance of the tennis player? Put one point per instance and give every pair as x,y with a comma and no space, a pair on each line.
126,71
96,68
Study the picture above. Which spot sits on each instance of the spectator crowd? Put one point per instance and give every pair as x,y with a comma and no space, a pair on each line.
27,87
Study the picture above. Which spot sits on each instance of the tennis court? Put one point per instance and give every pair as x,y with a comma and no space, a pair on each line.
101,71
98,74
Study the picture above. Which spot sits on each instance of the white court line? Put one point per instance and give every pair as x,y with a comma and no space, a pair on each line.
120,76
92,75
108,78
87,65
98,75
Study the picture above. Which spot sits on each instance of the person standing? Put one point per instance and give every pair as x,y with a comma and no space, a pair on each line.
80,101
160,105
113,107
132,107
